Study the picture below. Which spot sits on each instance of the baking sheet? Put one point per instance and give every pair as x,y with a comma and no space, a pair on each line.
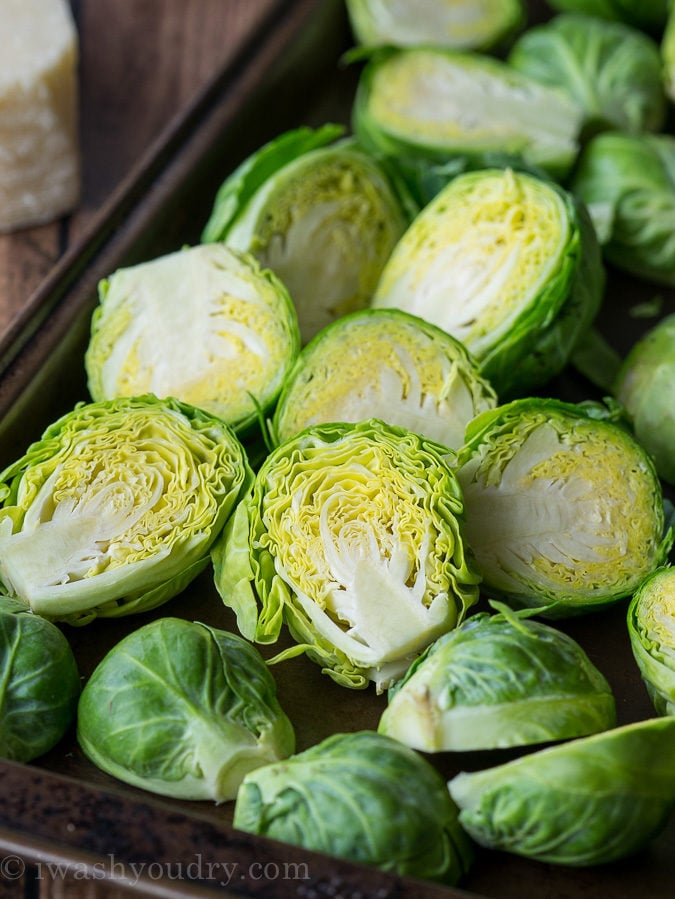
61,807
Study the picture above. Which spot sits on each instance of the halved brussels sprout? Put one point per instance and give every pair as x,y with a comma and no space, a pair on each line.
115,508
587,802
562,506
386,364
646,14
462,24
440,103
232,326
645,385
505,262
497,681
363,797
651,626
184,710
352,537
39,683
627,181
610,70
323,218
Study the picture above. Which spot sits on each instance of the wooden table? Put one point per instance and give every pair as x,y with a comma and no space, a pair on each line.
141,61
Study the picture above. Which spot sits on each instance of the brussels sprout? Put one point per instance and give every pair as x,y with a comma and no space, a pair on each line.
587,802
182,709
627,181
39,683
651,626
384,363
232,325
562,506
646,14
438,103
363,797
462,24
323,218
352,536
610,70
505,262
497,681
115,508
645,385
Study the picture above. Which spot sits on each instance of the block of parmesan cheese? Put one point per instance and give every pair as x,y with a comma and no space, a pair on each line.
39,158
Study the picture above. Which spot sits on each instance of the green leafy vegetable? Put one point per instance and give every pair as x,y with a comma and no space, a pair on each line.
627,181
232,326
39,683
645,14
645,385
562,505
384,363
463,24
610,70
507,263
651,626
322,214
587,802
497,681
363,797
352,536
437,103
182,709
115,508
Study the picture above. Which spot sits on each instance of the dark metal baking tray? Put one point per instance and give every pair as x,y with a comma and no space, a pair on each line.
60,810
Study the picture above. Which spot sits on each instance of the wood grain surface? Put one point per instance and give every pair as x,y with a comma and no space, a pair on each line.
141,61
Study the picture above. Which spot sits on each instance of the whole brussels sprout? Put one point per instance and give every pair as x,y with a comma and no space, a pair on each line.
627,182
361,796
610,70
319,212
39,683
497,681
386,364
587,802
651,626
182,709
114,510
232,325
507,263
645,385
563,505
352,535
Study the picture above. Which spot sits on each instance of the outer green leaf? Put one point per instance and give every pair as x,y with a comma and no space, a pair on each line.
591,801
507,263
352,536
562,506
386,364
39,683
362,797
182,709
651,626
115,508
497,681
646,14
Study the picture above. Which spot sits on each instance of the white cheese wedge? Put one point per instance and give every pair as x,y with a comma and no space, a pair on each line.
39,154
